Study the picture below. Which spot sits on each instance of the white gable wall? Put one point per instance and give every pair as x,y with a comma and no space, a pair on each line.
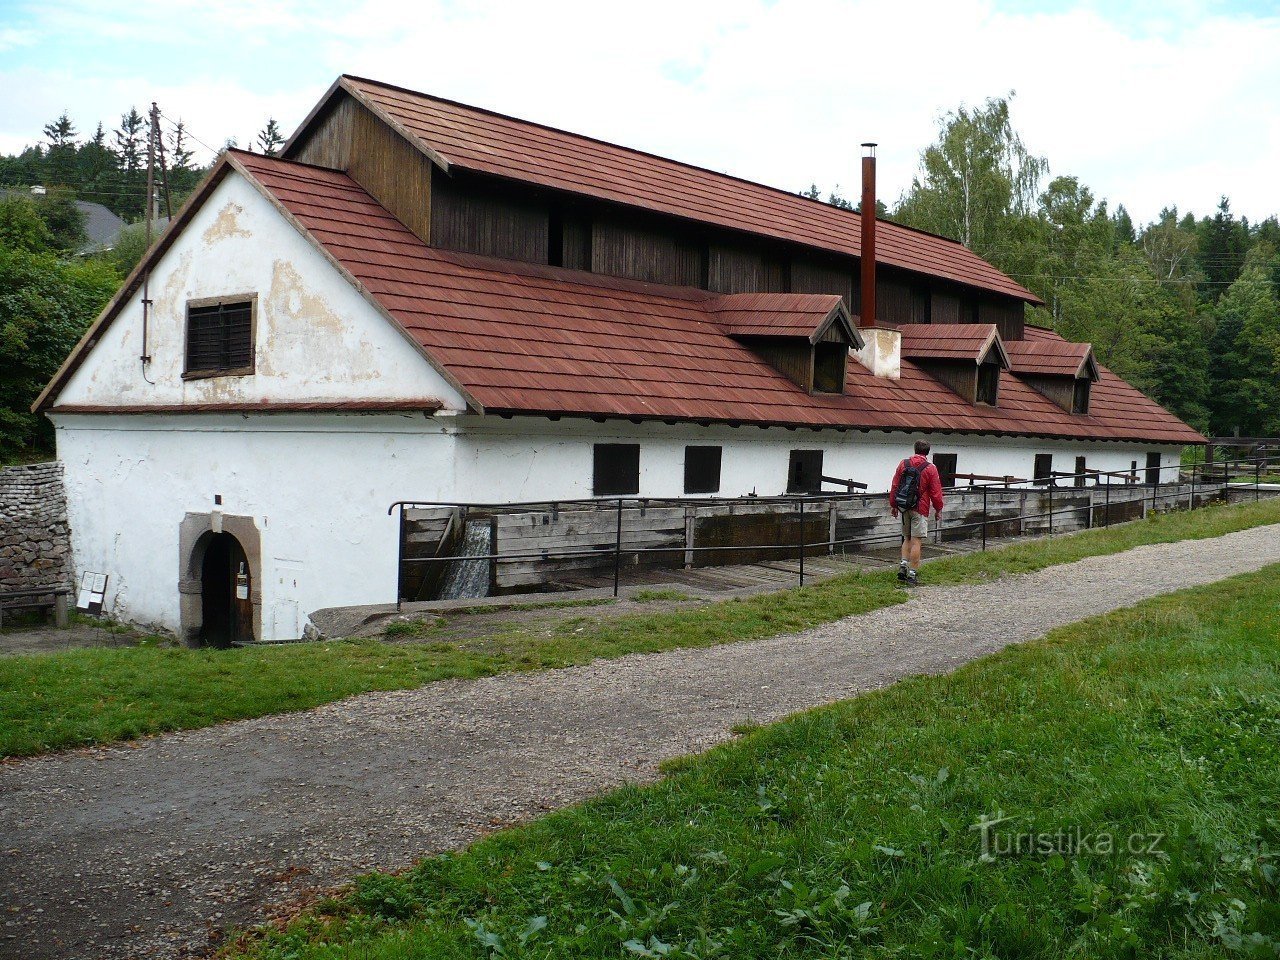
316,337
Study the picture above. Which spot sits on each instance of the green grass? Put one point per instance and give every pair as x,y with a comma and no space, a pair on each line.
76,697
649,596
850,831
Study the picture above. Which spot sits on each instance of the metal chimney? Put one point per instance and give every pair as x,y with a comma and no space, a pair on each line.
867,310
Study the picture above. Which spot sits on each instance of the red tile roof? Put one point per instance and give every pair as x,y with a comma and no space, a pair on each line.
775,314
948,341
1058,358
478,140
520,338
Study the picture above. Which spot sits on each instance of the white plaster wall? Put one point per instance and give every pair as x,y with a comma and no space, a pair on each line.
316,337
528,459
318,487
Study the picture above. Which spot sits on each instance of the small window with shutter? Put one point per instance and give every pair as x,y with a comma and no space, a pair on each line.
220,337
616,469
946,464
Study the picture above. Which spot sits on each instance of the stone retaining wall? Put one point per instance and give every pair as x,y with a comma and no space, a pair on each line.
35,539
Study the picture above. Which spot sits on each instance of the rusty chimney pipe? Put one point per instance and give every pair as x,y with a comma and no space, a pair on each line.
867,310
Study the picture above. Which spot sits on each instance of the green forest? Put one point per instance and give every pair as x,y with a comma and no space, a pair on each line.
1187,308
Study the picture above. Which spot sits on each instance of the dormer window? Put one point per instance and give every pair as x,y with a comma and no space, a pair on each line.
967,357
829,364
988,384
1080,396
1063,372
804,336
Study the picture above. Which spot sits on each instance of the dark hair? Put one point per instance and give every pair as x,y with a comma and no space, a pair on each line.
922,447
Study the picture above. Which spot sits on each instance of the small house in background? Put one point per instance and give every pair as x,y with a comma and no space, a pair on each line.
425,300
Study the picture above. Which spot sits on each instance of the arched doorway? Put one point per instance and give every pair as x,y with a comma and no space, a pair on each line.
225,591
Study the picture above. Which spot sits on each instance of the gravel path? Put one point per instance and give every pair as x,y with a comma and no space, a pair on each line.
150,849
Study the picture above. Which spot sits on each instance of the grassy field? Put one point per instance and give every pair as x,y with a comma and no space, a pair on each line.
1126,769
78,697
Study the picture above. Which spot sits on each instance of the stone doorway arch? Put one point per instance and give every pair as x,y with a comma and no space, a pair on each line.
197,534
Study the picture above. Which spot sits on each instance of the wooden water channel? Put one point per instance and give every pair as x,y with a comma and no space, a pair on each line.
575,544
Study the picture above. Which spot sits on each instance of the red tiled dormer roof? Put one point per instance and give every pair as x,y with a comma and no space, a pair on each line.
952,341
469,138
806,315
528,339
1052,358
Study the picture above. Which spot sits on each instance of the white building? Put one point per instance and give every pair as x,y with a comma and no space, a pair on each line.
425,301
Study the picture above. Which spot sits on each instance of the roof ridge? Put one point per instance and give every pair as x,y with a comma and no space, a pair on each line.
795,195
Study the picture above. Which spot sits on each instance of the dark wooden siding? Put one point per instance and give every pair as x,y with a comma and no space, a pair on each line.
1006,313
738,268
395,173
477,218
901,301
1061,390
944,308
813,273
962,377
624,248
329,144
793,360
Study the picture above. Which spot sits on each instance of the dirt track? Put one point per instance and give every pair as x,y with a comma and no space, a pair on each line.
142,850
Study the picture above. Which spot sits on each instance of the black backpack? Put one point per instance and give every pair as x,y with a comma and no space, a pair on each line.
907,496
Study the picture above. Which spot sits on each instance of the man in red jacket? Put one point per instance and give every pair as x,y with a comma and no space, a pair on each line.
916,487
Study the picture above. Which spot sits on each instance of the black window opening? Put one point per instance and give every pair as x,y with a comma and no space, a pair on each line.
1080,398
804,473
1080,469
1043,469
220,338
988,383
616,469
1153,469
829,360
946,465
702,469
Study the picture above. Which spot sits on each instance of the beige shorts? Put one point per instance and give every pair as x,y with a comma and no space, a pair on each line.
914,525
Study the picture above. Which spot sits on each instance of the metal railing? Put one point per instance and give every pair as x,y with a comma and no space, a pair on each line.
1207,483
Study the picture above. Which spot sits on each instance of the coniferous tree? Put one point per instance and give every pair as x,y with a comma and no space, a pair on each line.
270,138
1223,243
131,165
60,159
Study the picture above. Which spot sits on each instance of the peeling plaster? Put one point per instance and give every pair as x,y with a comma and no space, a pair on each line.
226,226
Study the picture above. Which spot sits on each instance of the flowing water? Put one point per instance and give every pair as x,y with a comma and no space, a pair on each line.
469,579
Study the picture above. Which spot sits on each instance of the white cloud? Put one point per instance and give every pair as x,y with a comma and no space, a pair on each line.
1162,104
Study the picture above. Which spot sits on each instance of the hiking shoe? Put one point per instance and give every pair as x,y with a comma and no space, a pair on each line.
912,579
902,572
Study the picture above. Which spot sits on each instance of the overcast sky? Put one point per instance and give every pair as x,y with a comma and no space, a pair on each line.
1150,103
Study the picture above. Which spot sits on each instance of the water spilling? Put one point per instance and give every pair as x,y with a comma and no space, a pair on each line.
468,579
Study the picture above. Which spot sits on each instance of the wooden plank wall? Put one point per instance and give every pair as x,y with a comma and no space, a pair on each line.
1007,314
900,301
475,218
818,274
623,248
330,142
960,376
737,268
1061,390
394,172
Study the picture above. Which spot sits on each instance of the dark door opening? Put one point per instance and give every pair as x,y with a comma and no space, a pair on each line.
226,609
1153,469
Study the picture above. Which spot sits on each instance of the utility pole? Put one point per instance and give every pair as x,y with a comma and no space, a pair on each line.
153,129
